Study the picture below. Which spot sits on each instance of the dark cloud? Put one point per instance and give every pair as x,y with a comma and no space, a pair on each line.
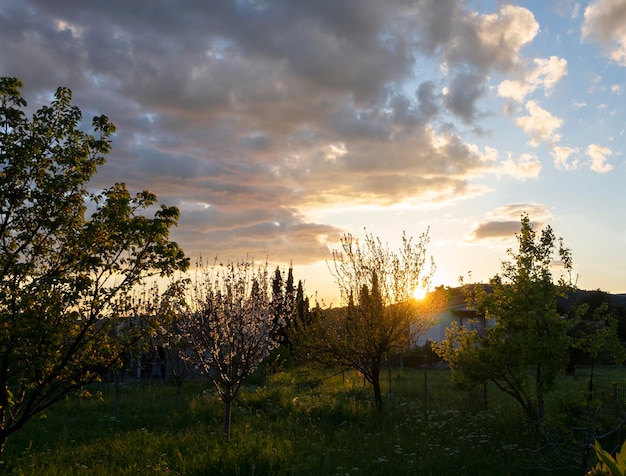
280,234
496,229
247,113
465,90
428,100
504,222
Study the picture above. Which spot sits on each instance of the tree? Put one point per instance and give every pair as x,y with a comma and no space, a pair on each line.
527,347
596,317
65,279
284,305
594,333
380,314
230,325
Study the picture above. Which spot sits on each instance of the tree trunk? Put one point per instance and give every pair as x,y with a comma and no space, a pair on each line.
228,405
378,397
388,376
590,385
485,395
539,389
117,394
425,378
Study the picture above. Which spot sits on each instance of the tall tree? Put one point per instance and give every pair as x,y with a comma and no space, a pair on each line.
301,314
65,279
283,302
526,349
230,325
380,313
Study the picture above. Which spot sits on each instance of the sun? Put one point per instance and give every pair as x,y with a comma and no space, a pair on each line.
419,292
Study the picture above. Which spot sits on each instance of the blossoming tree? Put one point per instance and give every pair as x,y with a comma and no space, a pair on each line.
230,325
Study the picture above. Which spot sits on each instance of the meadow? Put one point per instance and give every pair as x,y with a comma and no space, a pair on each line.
303,422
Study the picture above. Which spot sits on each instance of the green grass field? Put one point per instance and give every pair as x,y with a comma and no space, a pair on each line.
303,422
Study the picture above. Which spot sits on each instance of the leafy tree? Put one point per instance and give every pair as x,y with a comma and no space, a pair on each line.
527,347
230,325
380,314
594,334
65,279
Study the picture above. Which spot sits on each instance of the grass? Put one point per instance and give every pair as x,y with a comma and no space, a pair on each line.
304,422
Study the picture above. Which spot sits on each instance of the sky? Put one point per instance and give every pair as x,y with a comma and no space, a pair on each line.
279,126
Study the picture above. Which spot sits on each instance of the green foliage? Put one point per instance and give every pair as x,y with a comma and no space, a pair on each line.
607,464
303,422
66,280
595,332
527,348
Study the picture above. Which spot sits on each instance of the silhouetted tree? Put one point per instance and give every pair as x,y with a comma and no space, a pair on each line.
66,279
380,312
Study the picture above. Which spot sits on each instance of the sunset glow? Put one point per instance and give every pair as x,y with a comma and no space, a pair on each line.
420,293
278,127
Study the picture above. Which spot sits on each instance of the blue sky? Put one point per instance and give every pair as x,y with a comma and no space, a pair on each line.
276,126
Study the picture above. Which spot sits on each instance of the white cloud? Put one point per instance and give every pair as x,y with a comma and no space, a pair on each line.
525,166
75,31
578,104
617,89
567,8
605,23
513,89
536,211
599,155
483,41
561,157
506,31
540,125
546,74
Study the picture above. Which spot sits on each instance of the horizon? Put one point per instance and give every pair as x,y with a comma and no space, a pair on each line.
276,127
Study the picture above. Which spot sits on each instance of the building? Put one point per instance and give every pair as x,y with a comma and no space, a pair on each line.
456,311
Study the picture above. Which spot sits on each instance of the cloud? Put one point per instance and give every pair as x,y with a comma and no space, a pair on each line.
540,125
504,33
567,8
504,222
472,46
280,234
545,74
605,23
248,115
460,98
561,157
599,156
525,166
496,229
